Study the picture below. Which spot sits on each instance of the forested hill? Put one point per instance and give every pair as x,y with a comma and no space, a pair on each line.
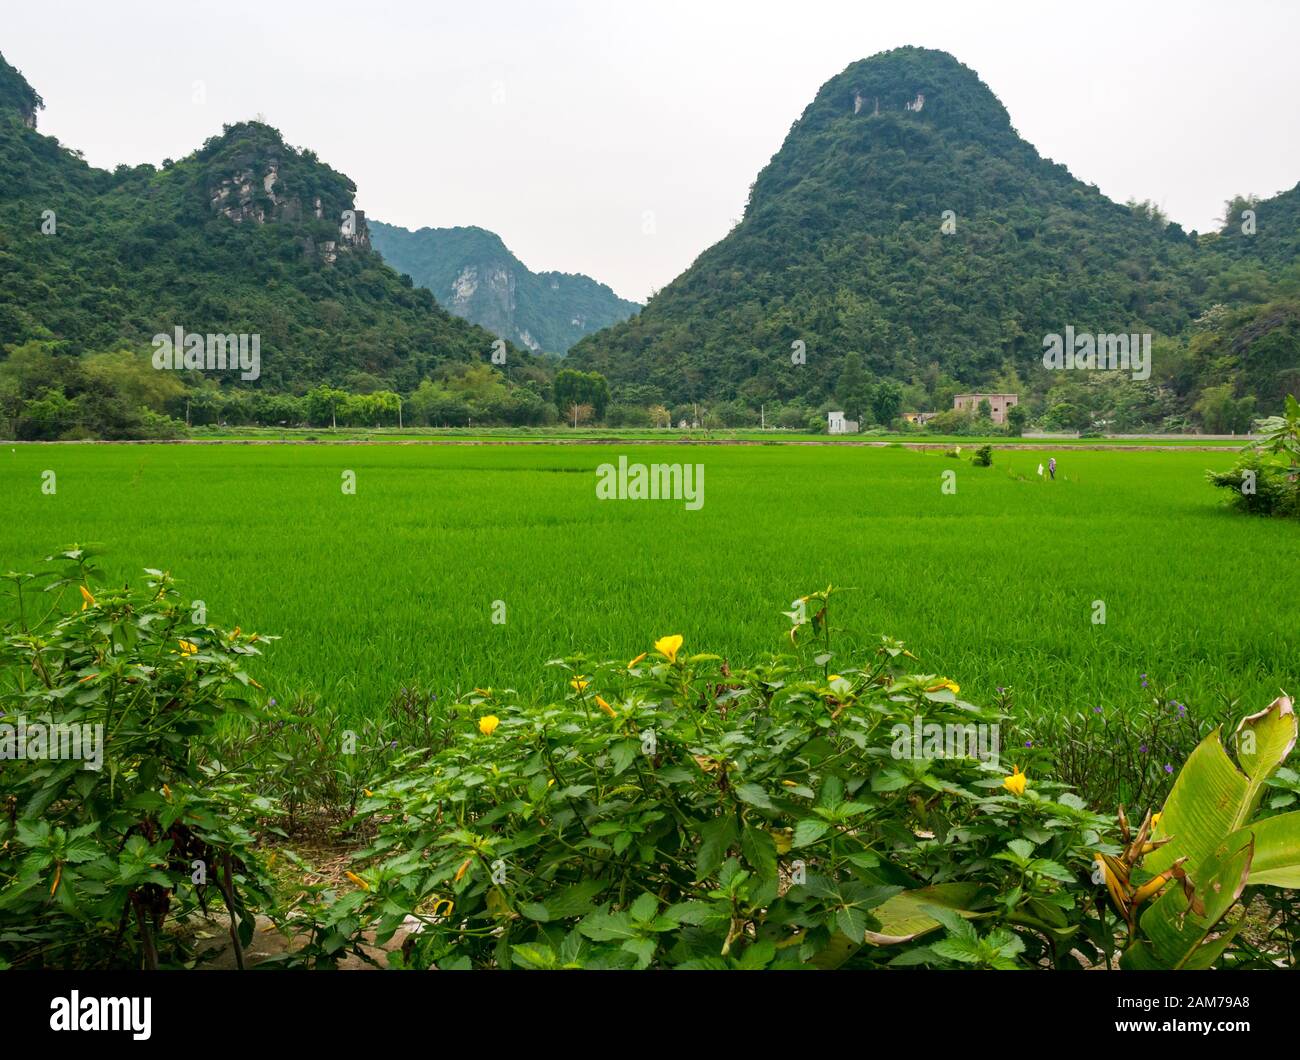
472,272
246,235
847,245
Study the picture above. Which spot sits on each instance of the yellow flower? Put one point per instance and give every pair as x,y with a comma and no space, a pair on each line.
488,723
669,646
86,599
464,868
579,683
605,707
952,686
637,659
357,880
188,647
368,793
1015,783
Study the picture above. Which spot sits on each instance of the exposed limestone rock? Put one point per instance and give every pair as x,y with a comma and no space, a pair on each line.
256,195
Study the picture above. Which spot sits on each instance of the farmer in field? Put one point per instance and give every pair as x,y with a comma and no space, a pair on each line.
1051,468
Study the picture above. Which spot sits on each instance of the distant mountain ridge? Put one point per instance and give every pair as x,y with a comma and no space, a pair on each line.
473,274
245,235
904,219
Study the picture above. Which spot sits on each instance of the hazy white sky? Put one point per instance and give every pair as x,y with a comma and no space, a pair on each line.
560,123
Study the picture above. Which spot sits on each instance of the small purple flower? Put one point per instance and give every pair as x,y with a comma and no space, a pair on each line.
271,701
1143,748
1096,710
1182,708
1168,768
1029,743
1000,690
392,745
1144,684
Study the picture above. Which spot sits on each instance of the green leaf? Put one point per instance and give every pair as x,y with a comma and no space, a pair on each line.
832,793
853,922
758,848
1277,851
808,831
958,949
908,915
717,837
645,907
1208,802
755,795
758,955
575,900
604,926
1022,847
643,948
623,753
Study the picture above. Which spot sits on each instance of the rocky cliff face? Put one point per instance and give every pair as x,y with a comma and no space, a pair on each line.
256,191
485,294
472,273
17,95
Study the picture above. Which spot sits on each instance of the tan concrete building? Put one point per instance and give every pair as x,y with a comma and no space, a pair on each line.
999,403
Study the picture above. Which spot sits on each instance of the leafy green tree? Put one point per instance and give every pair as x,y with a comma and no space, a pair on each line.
324,404
1016,418
1221,413
573,387
853,391
887,401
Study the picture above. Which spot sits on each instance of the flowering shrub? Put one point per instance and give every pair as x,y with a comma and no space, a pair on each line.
111,820
675,811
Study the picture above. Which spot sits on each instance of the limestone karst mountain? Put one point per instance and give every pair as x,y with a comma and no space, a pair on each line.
246,235
905,219
473,273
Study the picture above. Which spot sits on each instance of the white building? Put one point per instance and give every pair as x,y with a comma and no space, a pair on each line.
837,424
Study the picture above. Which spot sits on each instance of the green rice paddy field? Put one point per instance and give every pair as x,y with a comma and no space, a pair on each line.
991,586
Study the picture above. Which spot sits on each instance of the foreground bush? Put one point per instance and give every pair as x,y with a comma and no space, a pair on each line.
674,811
811,810
1266,479
113,824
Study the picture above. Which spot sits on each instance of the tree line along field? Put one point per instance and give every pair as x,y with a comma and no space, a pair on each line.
396,585
517,435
